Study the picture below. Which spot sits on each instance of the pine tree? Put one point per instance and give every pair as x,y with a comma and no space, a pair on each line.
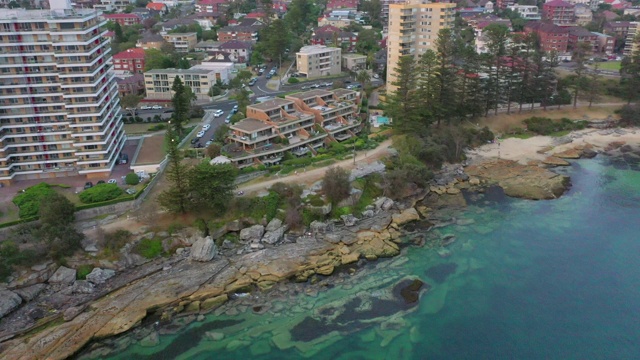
497,37
445,54
402,104
580,55
428,86
181,105
176,198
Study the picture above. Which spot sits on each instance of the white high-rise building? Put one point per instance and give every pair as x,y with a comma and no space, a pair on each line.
59,107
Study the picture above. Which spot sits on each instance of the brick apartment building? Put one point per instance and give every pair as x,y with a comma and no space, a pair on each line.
581,35
552,37
123,19
331,35
131,60
559,12
247,30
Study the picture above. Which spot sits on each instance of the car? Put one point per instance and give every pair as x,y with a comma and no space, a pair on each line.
112,181
88,185
228,119
218,113
131,191
145,107
347,82
156,107
260,72
200,134
134,110
101,182
124,158
253,81
166,111
376,76
305,87
269,76
328,84
315,86
194,140
206,127
208,143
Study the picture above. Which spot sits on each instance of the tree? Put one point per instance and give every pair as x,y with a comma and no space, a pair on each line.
367,42
239,80
211,186
630,72
243,98
364,78
593,85
275,40
214,91
131,179
220,135
497,38
212,151
57,231
130,102
580,55
267,9
176,198
56,209
209,35
119,35
181,101
156,59
446,75
402,105
336,185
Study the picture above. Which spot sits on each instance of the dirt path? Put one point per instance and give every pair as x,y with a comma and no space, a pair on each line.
311,176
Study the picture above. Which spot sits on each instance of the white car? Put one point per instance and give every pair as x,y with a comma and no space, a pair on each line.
145,107
200,134
218,113
206,127
156,107
112,181
208,143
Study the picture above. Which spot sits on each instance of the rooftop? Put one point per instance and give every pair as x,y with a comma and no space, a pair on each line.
249,125
271,104
22,15
120,16
354,56
180,71
134,53
343,92
312,49
310,94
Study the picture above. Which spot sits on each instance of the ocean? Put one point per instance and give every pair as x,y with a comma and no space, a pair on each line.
557,279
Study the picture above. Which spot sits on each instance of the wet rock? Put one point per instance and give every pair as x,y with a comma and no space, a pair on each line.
410,292
99,276
350,258
408,215
204,250
150,340
63,275
30,292
474,181
8,302
448,240
214,335
439,273
251,233
555,161
213,302
568,154
589,153
349,220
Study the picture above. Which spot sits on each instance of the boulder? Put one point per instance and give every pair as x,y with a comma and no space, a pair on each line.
318,227
83,287
568,154
407,216
30,292
254,232
63,275
274,236
350,258
233,225
555,161
214,335
474,181
204,249
99,276
150,340
383,203
333,238
274,224
453,191
368,213
349,220
589,153
8,302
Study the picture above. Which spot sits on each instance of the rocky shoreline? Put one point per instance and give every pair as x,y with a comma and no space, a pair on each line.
201,278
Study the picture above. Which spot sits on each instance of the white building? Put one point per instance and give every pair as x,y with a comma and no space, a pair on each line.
527,12
318,60
59,107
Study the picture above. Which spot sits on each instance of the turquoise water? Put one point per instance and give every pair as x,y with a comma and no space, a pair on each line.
525,280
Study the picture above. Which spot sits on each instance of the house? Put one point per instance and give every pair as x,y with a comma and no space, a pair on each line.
131,85
220,56
176,23
380,60
341,5
246,30
208,45
527,12
112,5
354,62
606,43
280,7
150,40
159,7
299,124
241,50
583,14
255,15
110,35
143,13
224,71
216,6
504,4
581,35
559,12
331,35
334,21
552,37
609,15
123,19
131,60
183,42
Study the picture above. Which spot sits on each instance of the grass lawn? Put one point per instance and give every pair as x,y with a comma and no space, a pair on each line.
152,151
610,65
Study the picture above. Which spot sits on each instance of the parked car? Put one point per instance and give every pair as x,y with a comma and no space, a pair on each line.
328,84
253,81
100,182
260,72
376,76
145,107
135,111
235,109
88,185
131,191
194,140
112,181
156,107
218,113
269,76
200,134
124,158
228,119
167,111
315,86
206,127
305,87
208,143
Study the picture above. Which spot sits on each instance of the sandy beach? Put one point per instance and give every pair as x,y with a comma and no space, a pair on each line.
537,148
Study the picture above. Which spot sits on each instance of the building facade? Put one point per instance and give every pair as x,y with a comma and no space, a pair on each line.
132,85
354,62
131,60
318,60
158,82
413,29
559,12
300,123
331,35
183,42
552,37
123,19
59,107
527,12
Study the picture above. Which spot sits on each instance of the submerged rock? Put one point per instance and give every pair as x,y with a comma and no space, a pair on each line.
410,292
441,272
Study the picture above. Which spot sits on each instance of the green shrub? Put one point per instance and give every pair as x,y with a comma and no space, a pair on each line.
201,225
309,216
83,270
157,127
132,179
293,80
148,248
29,199
114,241
100,193
175,227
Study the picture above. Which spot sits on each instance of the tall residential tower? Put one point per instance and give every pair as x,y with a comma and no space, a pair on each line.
413,29
59,107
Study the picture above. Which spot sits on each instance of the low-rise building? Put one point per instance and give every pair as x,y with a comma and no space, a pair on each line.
579,35
341,5
300,123
131,85
158,7
354,62
112,5
131,60
208,45
331,35
619,28
123,19
240,50
216,6
559,12
334,21
150,40
584,15
606,43
246,30
158,82
183,42
552,37
527,12
318,60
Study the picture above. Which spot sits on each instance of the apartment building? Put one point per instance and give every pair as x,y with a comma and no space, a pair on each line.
552,37
527,12
158,82
300,123
413,29
130,60
123,19
59,107
559,12
183,42
318,60
629,43
354,62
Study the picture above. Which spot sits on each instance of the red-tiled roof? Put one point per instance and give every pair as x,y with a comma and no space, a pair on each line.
211,2
156,6
120,16
255,15
134,53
